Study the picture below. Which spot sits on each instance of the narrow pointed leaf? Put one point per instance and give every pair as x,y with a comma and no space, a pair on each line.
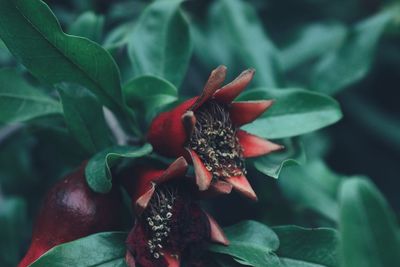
368,229
34,36
295,112
273,163
104,250
19,101
307,247
88,25
160,43
84,117
98,173
352,59
250,243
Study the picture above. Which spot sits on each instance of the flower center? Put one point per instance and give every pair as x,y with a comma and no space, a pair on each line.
158,218
214,140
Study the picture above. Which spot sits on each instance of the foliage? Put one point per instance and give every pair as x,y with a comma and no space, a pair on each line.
83,81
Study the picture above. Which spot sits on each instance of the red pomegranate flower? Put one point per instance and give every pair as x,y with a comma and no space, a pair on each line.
206,130
169,226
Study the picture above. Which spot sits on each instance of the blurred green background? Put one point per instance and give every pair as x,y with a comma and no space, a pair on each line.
349,49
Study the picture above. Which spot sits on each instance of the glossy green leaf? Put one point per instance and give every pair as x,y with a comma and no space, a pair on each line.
32,33
295,112
272,164
20,101
104,250
12,224
307,247
223,260
148,94
251,243
313,41
368,228
235,36
160,43
352,59
312,186
88,25
98,174
84,118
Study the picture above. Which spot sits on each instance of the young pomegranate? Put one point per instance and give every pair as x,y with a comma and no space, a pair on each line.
205,130
170,228
71,210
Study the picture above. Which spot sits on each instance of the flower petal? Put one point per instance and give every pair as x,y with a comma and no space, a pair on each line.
230,91
172,261
130,261
176,170
241,185
217,235
219,187
214,82
141,203
245,112
203,176
189,122
254,146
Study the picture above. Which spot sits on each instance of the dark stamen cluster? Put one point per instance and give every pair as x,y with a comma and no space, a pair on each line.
214,140
158,217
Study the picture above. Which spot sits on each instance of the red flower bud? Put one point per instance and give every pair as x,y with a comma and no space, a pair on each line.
71,210
169,223
205,130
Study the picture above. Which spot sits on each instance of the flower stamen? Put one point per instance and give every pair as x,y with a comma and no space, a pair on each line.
214,140
158,217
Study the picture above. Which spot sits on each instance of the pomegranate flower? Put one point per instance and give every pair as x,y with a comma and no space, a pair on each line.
169,225
205,130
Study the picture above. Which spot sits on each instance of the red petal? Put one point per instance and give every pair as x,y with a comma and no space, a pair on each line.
217,235
141,203
241,185
214,82
172,261
130,261
254,146
245,112
220,187
230,91
203,176
176,170
189,122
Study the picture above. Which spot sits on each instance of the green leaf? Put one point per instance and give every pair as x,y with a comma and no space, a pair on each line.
272,164
223,260
351,61
12,222
251,243
235,37
148,94
313,186
104,249
368,229
313,41
84,117
98,174
88,25
32,33
307,247
160,43
20,101
295,112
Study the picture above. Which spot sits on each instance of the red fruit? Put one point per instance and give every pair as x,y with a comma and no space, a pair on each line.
71,210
